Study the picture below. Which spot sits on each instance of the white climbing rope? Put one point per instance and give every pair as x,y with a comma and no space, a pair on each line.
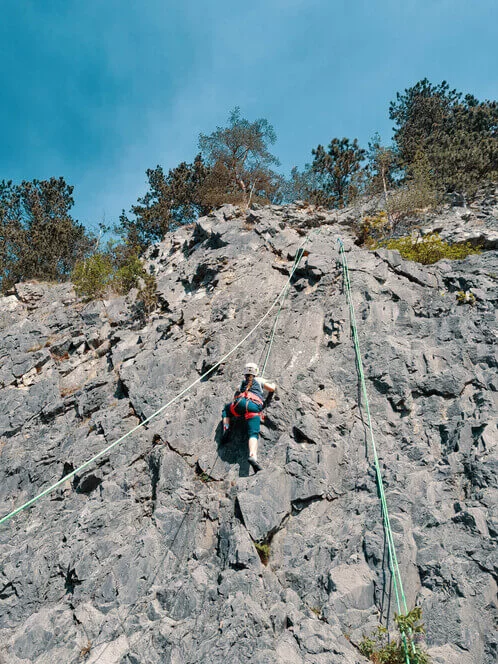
107,449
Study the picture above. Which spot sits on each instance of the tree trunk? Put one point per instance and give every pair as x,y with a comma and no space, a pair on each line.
383,174
244,190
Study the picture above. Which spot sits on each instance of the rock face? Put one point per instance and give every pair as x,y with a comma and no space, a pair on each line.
149,555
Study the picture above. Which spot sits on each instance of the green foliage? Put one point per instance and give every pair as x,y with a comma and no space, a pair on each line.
240,162
93,276
466,297
457,133
147,295
172,200
467,155
38,237
117,269
419,114
301,186
429,249
418,194
411,622
263,549
204,477
372,229
129,275
233,167
382,166
381,649
335,171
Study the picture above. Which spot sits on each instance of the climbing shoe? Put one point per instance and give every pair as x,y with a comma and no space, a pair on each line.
255,464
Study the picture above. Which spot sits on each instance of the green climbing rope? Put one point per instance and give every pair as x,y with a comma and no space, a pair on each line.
393,559
107,449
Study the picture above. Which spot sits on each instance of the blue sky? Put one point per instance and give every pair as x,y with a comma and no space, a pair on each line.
98,91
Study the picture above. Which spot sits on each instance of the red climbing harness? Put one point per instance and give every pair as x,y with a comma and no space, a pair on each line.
248,396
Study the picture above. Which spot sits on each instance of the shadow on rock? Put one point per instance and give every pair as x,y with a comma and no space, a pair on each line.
234,451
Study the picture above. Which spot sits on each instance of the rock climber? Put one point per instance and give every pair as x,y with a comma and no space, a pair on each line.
248,402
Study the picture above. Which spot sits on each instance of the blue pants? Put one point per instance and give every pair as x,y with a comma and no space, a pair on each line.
246,406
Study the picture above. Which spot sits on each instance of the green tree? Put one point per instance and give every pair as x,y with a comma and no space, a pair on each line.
300,185
466,153
12,233
172,200
458,134
39,238
241,161
335,172
382,166
419,114
418,193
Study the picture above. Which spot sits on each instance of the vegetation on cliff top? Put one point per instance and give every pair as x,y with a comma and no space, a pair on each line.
444,141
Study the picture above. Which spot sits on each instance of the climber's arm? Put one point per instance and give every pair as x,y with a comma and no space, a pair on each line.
267,385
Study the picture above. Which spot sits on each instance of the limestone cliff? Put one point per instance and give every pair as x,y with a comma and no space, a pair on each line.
149,556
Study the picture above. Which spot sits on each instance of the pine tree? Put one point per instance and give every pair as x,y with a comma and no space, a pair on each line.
335,171
459,135
172,200
39,238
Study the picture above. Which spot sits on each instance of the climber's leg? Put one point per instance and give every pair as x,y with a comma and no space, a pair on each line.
226,423
253,447
253,427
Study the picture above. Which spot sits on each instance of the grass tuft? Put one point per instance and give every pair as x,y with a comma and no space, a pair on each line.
263,549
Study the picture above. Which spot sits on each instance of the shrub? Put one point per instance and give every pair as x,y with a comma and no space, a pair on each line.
429,249
93,276
147,294
419,193
205,478
466,297
380,649
372,229
129,275
411,200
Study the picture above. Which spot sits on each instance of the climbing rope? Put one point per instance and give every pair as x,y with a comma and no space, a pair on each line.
297,260
107,449
209,470
393,559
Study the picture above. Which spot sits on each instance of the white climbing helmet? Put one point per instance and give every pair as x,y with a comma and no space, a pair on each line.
251,368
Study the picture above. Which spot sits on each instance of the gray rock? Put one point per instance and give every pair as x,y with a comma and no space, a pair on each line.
149,553
264,503
241,552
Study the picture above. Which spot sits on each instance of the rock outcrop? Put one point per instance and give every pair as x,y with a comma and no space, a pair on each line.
149,555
